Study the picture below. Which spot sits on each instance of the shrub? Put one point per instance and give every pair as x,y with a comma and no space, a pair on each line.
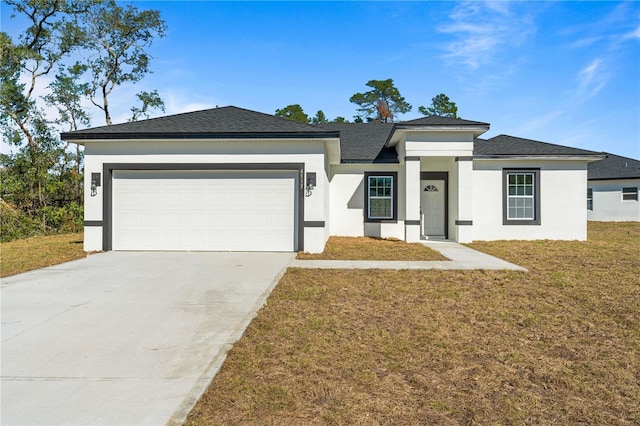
15,224
65,219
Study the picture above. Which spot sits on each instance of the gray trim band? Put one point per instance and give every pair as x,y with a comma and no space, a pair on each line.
92,223
412,222
412,158
314,224
107,182
468,158
464,222
434,176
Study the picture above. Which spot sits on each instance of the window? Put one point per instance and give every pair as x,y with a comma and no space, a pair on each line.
589,198
521,203
381,199
630,194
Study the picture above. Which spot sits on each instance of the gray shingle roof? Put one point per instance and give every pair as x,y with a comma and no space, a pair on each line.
359,142
217,122
364,142
435,120
614,167
510,145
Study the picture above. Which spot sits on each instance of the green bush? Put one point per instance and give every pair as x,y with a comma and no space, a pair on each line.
63,220
16,224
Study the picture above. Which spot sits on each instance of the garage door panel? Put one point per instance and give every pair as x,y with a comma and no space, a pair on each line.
177,210
193,198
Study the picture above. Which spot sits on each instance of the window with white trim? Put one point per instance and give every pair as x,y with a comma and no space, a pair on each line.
630,193
521,204
589,198
381,198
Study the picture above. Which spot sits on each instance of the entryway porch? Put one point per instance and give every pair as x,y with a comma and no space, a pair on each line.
438,198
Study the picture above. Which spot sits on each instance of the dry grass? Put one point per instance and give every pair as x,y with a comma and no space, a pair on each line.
32,253
557,345
365,248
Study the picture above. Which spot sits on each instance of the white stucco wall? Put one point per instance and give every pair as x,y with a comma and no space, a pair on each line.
437,144
608,205
563,186
310,152
348,203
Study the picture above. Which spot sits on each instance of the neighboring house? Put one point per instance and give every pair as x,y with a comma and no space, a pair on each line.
233,179
612,189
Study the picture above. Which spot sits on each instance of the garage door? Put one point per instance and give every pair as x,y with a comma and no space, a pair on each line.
204,210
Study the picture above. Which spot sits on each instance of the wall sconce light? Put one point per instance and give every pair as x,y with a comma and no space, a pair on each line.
311,183
95,183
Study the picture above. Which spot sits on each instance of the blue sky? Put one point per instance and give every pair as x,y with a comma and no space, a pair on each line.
560,72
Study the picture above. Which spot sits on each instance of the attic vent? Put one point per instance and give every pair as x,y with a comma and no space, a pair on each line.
430,188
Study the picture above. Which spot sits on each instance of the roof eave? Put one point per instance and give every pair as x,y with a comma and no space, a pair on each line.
374,161
575,157
614,178
83,137
477,129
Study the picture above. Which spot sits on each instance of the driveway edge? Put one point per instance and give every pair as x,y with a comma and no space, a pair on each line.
180,415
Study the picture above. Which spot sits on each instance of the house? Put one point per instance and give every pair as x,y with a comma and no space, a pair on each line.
239,180
612,189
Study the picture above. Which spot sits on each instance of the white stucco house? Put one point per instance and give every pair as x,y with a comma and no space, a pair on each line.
612,190
239,180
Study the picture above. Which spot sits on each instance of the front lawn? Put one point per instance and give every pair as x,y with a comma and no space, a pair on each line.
557,345
37,252
366,248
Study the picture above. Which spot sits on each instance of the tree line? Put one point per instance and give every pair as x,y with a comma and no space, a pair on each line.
85,50
383,103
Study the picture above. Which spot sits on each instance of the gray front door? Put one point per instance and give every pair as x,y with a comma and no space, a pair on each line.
432,206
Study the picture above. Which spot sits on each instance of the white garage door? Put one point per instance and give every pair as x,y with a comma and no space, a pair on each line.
203,210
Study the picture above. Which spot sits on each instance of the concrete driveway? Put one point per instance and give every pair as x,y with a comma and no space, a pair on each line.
125,338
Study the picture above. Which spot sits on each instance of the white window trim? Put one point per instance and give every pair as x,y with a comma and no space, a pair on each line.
590,199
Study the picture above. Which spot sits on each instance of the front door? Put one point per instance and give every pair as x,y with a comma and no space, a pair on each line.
432,206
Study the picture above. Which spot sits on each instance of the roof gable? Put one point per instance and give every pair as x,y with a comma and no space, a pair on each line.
613,167
510,145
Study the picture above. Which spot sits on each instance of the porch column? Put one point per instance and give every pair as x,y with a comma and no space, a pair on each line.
464,220
412,199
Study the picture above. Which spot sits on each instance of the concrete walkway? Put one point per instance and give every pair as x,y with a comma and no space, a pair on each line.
461,258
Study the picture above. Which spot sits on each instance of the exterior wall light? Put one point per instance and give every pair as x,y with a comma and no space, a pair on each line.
311,183
95,183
